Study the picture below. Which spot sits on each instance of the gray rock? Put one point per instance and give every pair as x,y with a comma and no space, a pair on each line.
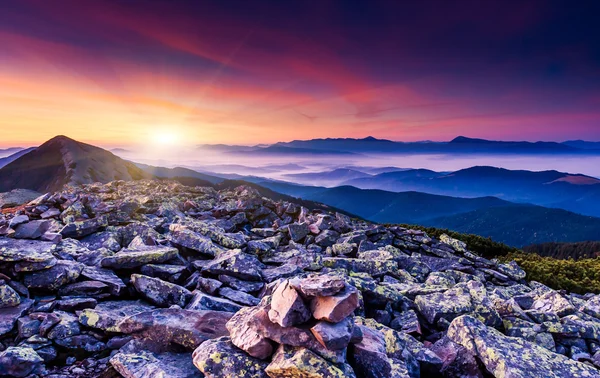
159,292
20,362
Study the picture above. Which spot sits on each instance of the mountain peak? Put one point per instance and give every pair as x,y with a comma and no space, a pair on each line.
464,139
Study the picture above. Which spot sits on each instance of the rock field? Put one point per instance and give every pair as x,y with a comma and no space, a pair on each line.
156,279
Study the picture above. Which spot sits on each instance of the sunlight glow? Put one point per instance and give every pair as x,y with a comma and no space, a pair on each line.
165,138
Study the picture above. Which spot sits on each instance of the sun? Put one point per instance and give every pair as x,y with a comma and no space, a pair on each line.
165,138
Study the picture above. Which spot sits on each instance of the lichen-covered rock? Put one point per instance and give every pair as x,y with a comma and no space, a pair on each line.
83,228
202,301
167,326
8,296
219,358
236,263
189,239
370,360
505,356
32,229
145,364
373,267
447,305
298,231
62,273
20,362
159,292
552,301
319,286
291,361
129,259
107,315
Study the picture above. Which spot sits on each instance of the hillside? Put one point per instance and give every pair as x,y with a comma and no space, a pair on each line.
63,161
10,158
573,192
576,251
507,222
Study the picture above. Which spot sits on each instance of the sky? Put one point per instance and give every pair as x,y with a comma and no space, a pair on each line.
121,73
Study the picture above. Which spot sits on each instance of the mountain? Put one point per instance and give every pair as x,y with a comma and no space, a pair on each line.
9,151
61,161
582,144
10,158
506,222
573,192
327,177
575,251
178,172
278,149
459,145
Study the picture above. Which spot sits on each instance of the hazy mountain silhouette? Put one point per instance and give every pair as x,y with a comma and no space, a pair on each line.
61,161
10,158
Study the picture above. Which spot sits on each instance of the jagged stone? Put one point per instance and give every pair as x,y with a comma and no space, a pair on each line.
202,301
19,362
166,326
239,296
129,259
32,229
144,364
189,239
219,358
370,360
447,305
245,337
107,315
512,357
334,336
291,361
287,307
115,284
237,264
319,286
51,279
8,296
159,292
552,301
336,307
298,231
80,229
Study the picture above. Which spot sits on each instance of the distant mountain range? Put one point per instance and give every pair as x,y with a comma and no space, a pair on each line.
573,192
427,197
459,145
506,222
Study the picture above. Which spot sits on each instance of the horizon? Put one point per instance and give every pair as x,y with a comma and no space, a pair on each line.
108,72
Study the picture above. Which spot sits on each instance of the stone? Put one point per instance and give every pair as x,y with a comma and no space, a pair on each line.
159,292
75,304
51,279
245,337
336,307
189,239
20,362
79,229
107,315
241,285
129,259
592,306
114,283
298,231
239,296
81,343
374,268
552,301
457,245
209,285
327,238
505,356
287,306
17,220
83,288
144,364
32,229
167,326
237,264
219,358
36,253
447,305
370,360
320,286
8,296
334,336
291,361
202,301
106,239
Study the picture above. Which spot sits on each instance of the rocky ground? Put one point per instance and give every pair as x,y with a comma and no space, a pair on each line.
156,279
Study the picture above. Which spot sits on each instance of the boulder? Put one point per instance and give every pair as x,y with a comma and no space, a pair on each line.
133,258
237,264
107,315
334,336
83,228
20,362
298,231
505,356
447,305
219,358
168,326
291,361
8,296
202,301
336,307
145,364
115,284
245,337
189,239
159,292
552,301
32,229
287,307
370,360
319,286
10,315
51,279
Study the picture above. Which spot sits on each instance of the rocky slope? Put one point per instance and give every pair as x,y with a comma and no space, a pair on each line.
63,161
153,278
